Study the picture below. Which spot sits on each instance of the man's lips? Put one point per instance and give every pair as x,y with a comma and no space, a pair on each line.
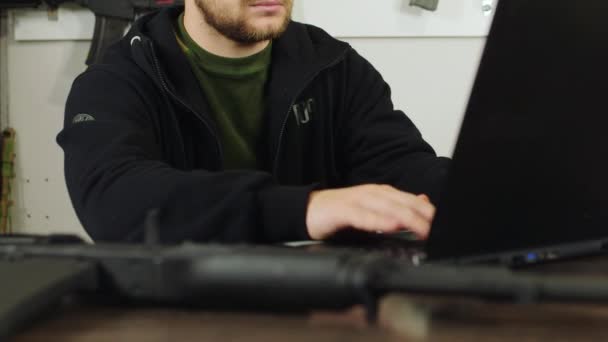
267,3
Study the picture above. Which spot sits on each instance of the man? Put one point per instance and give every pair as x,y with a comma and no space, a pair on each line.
237,125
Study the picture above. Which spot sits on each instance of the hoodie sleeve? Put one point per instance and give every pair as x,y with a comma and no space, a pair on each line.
381,144
115,175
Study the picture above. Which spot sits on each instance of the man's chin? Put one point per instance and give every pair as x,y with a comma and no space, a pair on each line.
267,24
269,28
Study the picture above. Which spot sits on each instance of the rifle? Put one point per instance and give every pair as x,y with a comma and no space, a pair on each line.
112,17
37,271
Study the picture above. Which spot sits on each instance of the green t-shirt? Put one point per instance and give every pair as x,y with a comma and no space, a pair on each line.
234,88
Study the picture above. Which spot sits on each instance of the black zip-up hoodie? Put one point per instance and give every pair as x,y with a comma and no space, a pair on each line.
138,136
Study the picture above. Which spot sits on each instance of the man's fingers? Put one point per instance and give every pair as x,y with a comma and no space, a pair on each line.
415,223
388,217
409,219
422,203
387,206
425,198
369,220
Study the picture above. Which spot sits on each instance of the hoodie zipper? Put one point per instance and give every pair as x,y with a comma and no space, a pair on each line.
275,168
179,100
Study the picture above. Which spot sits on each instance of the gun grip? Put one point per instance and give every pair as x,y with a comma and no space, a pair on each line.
107,32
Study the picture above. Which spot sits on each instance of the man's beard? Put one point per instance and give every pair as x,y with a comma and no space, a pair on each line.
237,28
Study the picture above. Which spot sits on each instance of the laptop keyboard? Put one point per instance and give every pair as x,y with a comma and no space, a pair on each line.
402,246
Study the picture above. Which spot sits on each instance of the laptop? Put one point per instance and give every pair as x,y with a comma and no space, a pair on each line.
529,179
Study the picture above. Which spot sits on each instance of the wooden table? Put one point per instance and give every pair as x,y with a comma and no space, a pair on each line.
402,318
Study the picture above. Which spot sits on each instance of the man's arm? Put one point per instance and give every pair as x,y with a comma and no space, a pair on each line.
115,175
382,145
383,150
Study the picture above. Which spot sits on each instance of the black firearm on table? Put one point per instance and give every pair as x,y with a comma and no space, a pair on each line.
112,17
38,271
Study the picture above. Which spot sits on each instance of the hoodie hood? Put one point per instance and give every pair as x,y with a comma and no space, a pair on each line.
297,55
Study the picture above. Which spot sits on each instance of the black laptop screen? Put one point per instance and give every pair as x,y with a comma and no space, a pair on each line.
531,163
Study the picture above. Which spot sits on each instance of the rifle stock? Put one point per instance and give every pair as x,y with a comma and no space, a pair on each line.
112,17
107,32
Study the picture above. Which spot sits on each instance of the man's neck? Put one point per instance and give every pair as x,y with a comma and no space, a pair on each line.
211,40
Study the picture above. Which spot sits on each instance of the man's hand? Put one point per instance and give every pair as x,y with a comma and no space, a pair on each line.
373,208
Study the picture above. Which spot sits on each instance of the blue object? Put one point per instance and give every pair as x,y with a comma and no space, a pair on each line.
531,257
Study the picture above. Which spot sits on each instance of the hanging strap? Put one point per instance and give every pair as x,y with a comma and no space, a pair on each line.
430,5
8,173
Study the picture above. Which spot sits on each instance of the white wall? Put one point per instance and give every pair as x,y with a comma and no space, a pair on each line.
430,77
40,75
